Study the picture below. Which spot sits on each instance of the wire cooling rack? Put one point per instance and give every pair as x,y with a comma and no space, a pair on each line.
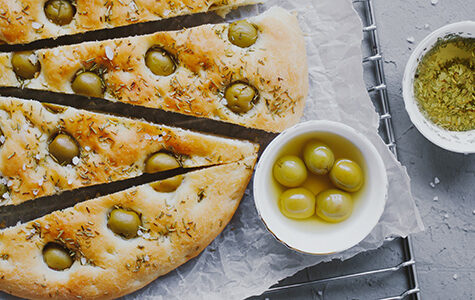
389,272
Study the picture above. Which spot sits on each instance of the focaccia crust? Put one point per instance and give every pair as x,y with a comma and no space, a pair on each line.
176,227
208,62
23,21
112,148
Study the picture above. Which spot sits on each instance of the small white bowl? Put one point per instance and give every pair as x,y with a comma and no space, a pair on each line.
320,237
456,141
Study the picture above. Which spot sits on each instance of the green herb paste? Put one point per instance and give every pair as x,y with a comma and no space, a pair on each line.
444,83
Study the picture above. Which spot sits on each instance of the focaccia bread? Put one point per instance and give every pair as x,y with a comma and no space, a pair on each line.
175,227
23,21
34,163
204,74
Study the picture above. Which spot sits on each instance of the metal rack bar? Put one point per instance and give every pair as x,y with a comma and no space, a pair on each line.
347,276
380,88
391,140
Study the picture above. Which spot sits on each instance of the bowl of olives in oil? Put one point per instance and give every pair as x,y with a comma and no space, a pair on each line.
320,187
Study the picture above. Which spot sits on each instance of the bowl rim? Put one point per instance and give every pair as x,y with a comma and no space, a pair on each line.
321,126
446,139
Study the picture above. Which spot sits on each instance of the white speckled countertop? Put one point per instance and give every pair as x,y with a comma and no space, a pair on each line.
445,251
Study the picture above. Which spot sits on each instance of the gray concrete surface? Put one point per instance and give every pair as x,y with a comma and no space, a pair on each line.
445,251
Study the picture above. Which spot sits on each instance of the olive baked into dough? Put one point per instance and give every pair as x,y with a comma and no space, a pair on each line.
80,253
46,149
252,72
23,21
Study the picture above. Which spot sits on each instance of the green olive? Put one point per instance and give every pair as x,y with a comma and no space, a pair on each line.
124,222
160,62
161,162
347,175
25,64
64,148
168,185
60,12
88,84
240,97
242,33
334,205
297,203
54,108
3,190
57,257
290,171
318,157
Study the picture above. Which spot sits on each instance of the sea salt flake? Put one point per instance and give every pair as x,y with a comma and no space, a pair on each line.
83,260
432,184
37,156
455,277
33,59
87,148
473,212
36,25
109,53
446,216
6,196
133,6
2,139
35,192
411,39
70,181
75,160
426,26
147,136
40,182
24,167
434,2
9,183
146,258
436,198
436,180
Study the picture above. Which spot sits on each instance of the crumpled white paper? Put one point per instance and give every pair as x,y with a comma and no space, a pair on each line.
245,259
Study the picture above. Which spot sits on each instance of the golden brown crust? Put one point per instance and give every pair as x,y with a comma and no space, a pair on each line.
112,148
207,63
177,227
23,21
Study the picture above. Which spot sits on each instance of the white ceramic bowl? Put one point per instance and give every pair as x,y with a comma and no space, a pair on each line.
456,141
320,237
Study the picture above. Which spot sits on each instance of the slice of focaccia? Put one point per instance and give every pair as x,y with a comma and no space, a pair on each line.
23,21
252,73
113,245
46,149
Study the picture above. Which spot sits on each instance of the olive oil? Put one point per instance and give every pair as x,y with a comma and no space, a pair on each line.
342,148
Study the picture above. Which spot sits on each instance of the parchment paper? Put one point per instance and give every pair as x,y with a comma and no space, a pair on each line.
245,259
